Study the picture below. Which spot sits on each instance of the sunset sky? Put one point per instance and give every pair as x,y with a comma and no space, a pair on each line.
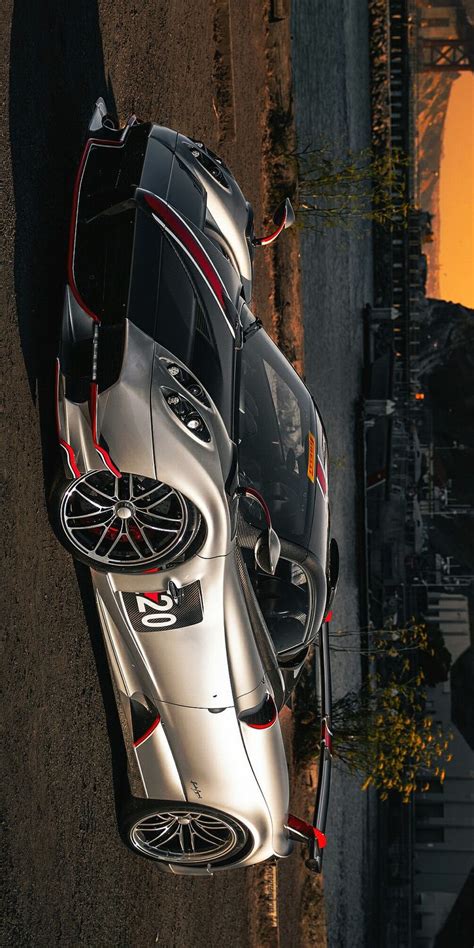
456,251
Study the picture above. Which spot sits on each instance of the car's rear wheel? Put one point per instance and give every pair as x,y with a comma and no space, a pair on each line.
183,834
127,524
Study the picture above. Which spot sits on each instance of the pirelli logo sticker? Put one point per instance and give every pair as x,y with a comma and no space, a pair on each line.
311,457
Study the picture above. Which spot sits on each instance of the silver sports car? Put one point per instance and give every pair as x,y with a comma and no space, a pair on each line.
195,487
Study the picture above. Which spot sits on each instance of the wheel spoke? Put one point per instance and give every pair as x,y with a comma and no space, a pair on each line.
150,526
94,503
204,834
138,526
117,538
156,502
152,490
87,516
166,837
131,540
156,516
103,534
110,497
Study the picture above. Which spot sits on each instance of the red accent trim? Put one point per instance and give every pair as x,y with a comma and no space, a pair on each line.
186,236
154,569
265,241
71,457
328,616
261,727
147,732
100,450
154,596
307,830
64,444
321,478
72,229
255,493
326,736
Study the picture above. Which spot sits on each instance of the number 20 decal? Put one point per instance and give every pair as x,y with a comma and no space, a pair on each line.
154,611
156,615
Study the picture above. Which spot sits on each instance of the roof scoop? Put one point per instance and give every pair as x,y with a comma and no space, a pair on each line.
283,217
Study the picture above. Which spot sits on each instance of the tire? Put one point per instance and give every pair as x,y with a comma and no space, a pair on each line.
137,823
171,536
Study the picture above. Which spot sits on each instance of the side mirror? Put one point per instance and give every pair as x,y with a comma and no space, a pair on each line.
267,551
283,217
284,214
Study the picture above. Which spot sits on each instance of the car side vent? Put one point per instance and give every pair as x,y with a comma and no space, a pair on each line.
145,718
263,716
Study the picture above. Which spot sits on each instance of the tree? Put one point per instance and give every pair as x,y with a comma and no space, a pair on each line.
416,640
382,731
338,189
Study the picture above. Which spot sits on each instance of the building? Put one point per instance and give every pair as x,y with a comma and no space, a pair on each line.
444,816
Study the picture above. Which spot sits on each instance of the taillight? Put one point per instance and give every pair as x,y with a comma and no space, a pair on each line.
264,715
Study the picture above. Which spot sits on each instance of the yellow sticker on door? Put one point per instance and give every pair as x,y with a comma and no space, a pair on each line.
311,456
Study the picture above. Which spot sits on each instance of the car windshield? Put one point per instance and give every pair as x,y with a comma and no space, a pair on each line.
277,432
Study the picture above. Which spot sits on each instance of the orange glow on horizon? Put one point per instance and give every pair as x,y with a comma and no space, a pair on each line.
456,214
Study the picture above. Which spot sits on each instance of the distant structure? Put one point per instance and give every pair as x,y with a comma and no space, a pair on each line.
445,37
444,816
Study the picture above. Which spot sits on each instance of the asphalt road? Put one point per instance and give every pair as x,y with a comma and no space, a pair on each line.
332,106
68,880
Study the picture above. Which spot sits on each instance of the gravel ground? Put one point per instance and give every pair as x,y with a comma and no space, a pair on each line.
68,879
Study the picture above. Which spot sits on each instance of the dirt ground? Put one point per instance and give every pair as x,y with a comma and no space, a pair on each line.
201,67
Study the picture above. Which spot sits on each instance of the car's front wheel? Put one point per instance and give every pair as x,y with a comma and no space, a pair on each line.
127,524
183,834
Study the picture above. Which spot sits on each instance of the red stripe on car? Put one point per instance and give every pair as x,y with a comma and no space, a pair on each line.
70,457
321,478
181,230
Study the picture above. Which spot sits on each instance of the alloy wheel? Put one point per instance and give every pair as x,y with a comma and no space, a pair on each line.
185,836
127,521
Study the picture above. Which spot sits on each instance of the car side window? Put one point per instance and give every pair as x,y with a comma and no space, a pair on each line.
276,438
284,600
